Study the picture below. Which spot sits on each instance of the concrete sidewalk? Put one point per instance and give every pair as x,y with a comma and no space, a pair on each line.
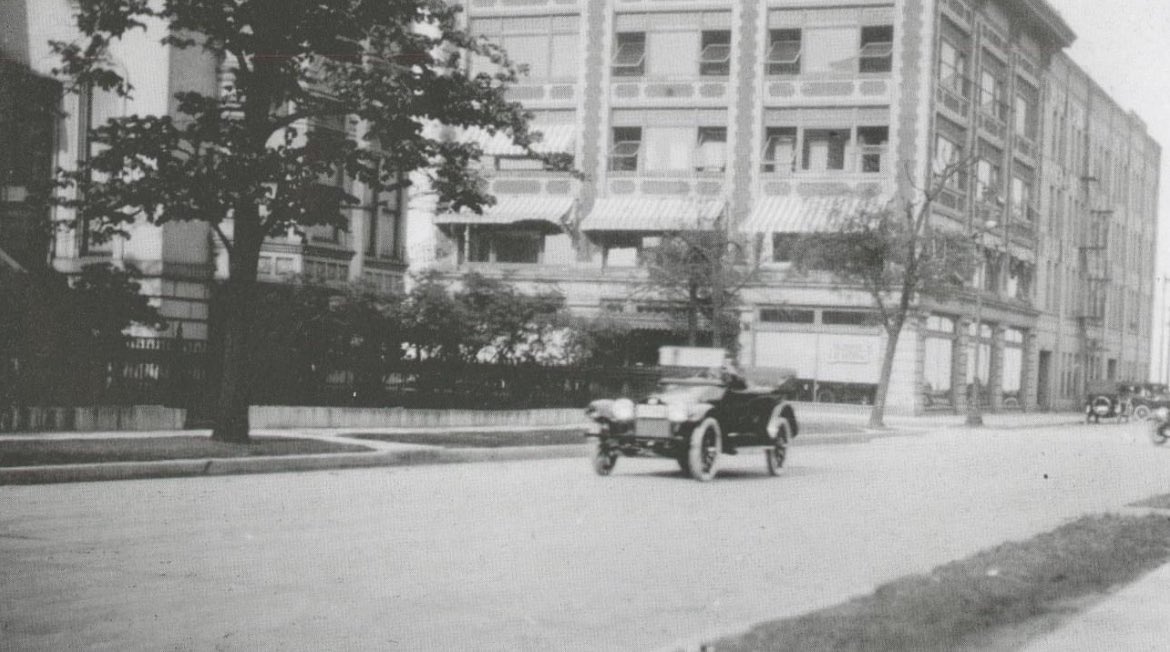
1134,619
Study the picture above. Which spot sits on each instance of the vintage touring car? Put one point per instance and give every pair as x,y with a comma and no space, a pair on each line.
694,420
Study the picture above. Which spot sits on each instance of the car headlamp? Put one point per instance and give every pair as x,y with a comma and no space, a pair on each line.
676,413
623,410
1163,413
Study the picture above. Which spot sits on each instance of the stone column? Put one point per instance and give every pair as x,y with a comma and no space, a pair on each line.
959,365
1031,372
918,322
995,370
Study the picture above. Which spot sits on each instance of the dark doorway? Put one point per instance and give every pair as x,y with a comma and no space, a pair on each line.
1043,373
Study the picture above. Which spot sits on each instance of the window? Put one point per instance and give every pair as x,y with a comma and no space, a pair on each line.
993,87
784,246
947,154
536,43
629,57
715,56
988,174
849,318
787,316
1022,199
824,149
872,142
877,49
1026,107
780,149
784,52
517,247
952,69
627,141
669,149
497,246
712,153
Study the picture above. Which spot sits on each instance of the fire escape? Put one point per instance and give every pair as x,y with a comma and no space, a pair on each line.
1094,276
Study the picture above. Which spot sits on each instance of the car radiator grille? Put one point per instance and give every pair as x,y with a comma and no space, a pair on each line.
657,428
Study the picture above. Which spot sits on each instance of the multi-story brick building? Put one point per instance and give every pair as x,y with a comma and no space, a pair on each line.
761,115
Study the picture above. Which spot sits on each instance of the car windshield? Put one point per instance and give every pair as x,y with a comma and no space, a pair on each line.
688,393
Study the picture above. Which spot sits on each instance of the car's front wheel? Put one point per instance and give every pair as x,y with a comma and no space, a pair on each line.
776,455
1141,412
703,452
604,458
1160,432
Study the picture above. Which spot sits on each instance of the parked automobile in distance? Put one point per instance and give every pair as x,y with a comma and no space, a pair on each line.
1108,399
695,420
1147,398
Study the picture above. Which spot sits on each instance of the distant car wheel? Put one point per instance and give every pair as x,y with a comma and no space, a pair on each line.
776,455
703,453
1160,432
604,458
1142,412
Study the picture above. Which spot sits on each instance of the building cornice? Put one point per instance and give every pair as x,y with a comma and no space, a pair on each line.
1046,20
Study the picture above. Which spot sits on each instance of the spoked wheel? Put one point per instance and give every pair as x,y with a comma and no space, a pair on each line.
703,453
1160,432
604,458
779,432
1141,412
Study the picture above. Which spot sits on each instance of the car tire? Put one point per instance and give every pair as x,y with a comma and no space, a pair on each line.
1160,432
604,458
1141,412
704,447
774,457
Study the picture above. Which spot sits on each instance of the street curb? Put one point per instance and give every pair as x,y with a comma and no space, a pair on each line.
26,475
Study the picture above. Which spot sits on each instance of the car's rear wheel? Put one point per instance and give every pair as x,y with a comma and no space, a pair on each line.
1141,412
703,452
604,458
776,455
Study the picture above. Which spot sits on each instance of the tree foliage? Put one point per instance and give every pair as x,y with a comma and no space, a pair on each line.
58,339
897,255
317,90
704,271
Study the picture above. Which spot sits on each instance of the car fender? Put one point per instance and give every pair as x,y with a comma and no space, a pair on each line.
699,411
788,410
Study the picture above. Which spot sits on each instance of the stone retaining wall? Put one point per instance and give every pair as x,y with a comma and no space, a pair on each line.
91,419
280,416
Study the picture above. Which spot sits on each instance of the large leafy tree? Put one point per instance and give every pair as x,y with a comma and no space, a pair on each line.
703,271
249,161
895,254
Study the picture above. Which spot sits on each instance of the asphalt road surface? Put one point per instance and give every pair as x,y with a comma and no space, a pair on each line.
537,555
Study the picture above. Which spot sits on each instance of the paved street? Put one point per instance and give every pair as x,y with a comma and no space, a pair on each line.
534,555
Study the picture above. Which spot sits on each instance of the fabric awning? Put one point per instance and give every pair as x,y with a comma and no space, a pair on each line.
796,214
556,138
510,209
652,214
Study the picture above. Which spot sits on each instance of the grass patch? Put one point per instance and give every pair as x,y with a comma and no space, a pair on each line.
482,439
40,452
992,600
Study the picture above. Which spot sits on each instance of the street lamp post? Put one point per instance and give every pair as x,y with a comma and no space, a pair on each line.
1163,373
974,407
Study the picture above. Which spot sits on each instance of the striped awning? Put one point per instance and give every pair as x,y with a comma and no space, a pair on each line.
796,214
653,214
556,138
510,209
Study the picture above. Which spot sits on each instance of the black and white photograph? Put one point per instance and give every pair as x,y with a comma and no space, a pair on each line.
584,325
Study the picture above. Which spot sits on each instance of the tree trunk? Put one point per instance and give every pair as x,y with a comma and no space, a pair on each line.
233,399
878,412
693,315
